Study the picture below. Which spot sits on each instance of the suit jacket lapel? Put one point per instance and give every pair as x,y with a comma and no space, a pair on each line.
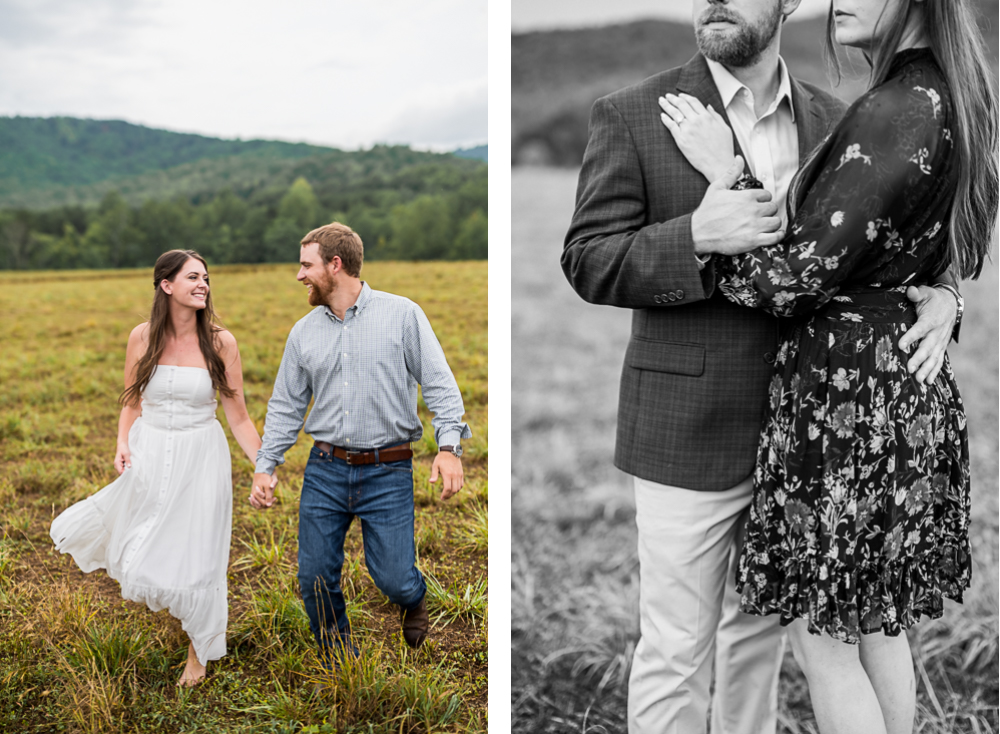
809,123
696,80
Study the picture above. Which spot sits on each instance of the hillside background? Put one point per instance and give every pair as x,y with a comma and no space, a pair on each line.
77,193
557,75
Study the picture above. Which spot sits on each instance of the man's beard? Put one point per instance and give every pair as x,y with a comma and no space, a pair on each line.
742,47
319,294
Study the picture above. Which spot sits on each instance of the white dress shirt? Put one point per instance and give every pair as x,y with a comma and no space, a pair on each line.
770,142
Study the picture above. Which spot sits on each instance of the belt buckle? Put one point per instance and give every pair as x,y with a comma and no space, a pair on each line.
349,454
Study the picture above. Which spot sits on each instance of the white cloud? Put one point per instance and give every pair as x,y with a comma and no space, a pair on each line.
342,74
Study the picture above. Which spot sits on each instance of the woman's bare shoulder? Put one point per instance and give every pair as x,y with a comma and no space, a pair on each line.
140,334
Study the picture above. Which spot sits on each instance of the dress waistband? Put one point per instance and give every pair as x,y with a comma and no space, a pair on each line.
871,305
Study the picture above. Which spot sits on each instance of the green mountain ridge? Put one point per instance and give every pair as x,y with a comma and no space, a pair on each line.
234,201
66,161
36,152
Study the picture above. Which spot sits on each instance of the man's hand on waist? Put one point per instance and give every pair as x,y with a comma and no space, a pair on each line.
937,310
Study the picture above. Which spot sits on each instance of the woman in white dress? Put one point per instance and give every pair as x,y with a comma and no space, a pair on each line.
162,529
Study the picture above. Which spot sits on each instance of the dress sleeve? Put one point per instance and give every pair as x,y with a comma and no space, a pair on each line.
870,177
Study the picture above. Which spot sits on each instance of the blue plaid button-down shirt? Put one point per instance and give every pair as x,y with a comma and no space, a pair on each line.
363,372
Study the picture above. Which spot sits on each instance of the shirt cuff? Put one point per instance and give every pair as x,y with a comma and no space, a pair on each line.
266,465
453,435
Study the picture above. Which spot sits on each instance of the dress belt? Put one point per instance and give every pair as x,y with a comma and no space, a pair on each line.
872,305
399,452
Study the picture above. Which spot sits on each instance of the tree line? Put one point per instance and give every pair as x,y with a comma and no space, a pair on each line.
441,216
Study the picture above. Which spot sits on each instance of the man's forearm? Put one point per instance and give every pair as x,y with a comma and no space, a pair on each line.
281,430
286,411
654,266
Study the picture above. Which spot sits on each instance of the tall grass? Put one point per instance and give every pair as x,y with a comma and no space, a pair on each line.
75,657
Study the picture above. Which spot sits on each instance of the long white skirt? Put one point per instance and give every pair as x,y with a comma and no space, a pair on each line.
162,529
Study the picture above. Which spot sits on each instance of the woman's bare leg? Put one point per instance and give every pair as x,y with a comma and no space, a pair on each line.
842,695
194,672
889,665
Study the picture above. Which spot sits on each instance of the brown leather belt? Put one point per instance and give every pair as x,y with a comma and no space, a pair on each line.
400,452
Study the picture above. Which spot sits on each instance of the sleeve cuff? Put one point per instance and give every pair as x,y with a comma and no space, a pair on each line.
453,435
265,466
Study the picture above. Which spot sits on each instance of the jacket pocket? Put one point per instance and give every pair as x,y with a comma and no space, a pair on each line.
672,357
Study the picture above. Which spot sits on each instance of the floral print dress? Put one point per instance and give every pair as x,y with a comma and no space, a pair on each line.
860,516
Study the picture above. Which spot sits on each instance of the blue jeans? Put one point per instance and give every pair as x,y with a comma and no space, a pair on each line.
381,495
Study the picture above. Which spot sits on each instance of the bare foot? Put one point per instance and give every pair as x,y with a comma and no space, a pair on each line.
194,672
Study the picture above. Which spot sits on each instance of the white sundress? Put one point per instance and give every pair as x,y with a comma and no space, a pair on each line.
162,529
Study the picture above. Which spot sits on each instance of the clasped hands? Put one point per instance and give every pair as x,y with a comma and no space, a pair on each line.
726,222
262,492
734,222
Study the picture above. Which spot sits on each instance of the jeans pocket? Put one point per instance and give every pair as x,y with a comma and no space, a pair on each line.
406,465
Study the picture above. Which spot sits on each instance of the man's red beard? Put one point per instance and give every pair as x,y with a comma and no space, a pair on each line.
319,293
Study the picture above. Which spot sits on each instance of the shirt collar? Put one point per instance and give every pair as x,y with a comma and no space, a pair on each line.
729,86
358,307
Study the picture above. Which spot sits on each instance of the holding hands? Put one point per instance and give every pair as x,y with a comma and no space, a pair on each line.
733,222
262,493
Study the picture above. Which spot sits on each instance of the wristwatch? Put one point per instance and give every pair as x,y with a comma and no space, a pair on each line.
456,449
958,300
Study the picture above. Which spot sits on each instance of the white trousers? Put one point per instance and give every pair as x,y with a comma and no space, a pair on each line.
689,544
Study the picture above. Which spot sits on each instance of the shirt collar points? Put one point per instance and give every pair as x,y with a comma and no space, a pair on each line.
358,306
729,86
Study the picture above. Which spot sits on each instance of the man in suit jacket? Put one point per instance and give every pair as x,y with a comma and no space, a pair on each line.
697,366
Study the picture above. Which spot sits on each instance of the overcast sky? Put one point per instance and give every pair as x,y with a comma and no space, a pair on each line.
531,15
346,74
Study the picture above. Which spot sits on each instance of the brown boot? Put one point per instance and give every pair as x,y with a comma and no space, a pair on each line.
415,623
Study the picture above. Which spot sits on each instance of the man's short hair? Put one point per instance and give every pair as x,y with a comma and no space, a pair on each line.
338,240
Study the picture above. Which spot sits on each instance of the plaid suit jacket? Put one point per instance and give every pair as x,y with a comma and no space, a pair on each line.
697,367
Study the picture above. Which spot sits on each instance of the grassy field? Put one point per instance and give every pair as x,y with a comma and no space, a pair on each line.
574,566
74,657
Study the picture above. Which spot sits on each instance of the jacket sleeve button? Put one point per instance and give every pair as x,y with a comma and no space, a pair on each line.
656,298
680,294
769,357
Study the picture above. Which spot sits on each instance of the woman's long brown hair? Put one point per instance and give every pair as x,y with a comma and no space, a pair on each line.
954,38
166,268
